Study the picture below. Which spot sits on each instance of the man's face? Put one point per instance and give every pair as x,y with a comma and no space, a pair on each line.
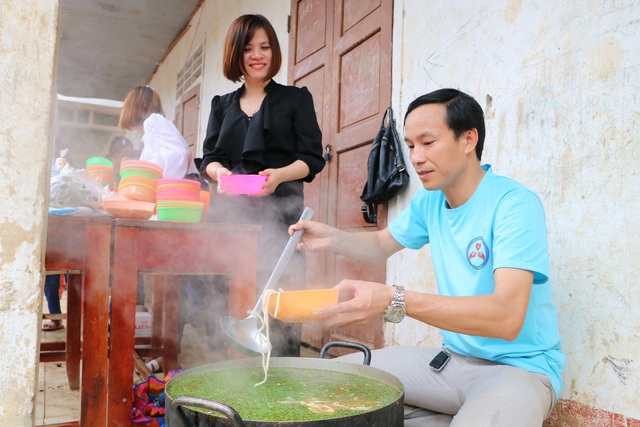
439,159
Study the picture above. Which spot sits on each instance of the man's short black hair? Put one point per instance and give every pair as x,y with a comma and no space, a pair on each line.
463,112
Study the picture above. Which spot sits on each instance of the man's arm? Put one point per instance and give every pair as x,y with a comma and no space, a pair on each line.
497,315
364,246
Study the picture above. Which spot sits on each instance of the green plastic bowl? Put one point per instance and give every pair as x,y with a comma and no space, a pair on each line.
99,161
143,173
179,214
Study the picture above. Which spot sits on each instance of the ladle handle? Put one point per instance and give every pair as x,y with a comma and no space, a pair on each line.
287,253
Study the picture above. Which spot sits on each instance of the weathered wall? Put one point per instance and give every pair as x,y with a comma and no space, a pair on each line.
28,30
209,28
559,85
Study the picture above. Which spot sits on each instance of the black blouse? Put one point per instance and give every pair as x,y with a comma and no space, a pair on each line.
284,129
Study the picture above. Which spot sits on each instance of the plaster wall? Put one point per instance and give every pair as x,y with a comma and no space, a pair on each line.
209,28
559,85
28,35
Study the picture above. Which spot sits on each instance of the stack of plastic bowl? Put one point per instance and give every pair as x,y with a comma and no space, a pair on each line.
101,169
138,180
179,200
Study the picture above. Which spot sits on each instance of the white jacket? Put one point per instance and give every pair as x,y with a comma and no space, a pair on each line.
164,145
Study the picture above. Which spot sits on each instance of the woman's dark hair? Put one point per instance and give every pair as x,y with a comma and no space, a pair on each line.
119,145
132,155
463,112
238,37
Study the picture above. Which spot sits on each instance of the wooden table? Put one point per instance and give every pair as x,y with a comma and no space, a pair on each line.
172,249
82,245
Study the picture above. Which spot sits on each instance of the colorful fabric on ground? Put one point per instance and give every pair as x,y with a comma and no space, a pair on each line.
148,401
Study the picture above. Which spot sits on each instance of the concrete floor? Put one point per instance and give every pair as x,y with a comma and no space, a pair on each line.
56,403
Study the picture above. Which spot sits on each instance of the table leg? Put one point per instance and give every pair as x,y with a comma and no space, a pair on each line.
157,333
171,314
74,317
123,301
95,329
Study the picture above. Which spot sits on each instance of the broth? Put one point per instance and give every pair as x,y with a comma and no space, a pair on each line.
290,394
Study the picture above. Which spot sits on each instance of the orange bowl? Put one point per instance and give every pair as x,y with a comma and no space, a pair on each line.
131,209
299,306
138,180
140,192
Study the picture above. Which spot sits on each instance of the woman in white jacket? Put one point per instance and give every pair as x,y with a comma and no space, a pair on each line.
163,143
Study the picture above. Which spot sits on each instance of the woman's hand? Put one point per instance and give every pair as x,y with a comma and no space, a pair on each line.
215,170
361,302
275,177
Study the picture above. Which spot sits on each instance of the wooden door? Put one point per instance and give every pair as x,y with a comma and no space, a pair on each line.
186,119
341,50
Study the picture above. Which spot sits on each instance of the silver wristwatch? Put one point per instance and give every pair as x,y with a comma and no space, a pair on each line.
396,310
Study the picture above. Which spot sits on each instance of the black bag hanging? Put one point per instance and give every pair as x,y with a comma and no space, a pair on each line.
387,175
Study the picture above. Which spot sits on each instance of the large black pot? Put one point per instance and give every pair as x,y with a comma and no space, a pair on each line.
178,413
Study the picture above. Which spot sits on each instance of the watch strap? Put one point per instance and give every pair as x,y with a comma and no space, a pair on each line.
398,295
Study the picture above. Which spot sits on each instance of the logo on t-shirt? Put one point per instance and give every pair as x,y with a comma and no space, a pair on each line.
477,253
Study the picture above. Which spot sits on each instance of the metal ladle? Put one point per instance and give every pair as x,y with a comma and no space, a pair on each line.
244,334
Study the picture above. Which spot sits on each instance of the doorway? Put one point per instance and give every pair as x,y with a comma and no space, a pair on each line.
341,51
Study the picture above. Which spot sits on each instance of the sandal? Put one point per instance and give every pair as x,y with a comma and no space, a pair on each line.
52,326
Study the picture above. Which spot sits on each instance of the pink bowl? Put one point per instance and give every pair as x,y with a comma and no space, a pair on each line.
172,197
190,182
242,184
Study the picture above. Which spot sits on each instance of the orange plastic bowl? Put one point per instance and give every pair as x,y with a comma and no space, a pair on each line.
299,306
140,192
138,180
131,209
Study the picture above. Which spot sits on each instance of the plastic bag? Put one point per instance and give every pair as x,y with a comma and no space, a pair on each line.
75,188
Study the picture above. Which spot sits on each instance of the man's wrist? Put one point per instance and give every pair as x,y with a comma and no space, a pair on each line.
396,310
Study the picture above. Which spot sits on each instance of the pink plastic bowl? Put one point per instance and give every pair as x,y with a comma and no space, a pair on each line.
179,181
242,184
169,197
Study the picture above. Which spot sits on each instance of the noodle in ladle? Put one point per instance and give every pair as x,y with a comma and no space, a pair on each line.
264,321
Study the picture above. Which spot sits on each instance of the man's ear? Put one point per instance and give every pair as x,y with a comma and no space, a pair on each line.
470,138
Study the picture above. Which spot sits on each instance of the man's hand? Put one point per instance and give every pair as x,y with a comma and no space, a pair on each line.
362,301
315,236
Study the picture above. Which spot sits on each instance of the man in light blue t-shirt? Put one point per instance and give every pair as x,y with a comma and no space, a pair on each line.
501,361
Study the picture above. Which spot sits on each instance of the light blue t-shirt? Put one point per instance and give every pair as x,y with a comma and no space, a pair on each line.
501,225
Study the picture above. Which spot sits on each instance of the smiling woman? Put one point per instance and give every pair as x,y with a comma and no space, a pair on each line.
266,129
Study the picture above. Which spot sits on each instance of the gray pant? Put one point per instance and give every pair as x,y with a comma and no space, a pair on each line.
467,392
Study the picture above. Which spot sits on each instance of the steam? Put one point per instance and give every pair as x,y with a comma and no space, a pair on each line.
208,296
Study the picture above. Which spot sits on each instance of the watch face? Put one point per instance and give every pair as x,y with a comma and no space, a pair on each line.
394,314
